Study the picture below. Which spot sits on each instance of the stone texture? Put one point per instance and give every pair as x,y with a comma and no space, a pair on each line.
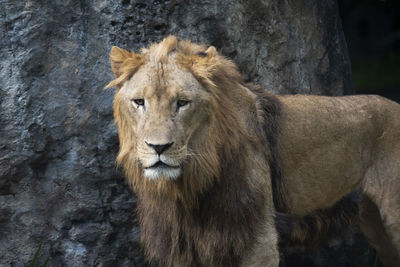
58,183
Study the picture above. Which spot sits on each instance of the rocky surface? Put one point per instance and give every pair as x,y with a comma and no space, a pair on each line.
58,183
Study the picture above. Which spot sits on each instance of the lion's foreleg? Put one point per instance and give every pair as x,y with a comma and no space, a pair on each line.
265,251
380,213
372,226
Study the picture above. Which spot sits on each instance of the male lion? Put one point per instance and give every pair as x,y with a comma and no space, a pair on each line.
216,162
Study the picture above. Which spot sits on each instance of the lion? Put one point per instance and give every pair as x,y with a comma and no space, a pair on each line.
220,166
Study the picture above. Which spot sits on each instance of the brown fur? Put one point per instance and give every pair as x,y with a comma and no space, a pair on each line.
243,153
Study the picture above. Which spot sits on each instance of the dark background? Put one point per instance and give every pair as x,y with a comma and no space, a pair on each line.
372,30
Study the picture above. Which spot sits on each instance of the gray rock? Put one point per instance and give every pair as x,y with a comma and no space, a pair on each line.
58,182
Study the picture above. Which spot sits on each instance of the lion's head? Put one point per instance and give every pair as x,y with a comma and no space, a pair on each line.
174,117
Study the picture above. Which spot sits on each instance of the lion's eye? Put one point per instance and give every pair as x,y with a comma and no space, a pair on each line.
182,103
139,101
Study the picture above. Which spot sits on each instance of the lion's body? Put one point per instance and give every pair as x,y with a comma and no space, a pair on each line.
318,170
213,159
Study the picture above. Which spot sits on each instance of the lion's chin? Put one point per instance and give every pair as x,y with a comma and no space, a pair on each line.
169,173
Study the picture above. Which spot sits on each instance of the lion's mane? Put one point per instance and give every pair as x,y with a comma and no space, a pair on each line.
181,221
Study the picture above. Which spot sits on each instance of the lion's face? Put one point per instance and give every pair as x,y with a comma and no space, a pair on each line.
174,115
167,109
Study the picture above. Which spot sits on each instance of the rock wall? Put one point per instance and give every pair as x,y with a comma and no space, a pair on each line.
58,183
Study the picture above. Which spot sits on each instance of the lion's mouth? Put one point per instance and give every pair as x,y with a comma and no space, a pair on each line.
161,170
160,164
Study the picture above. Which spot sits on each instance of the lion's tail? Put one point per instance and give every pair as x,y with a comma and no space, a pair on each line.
318,226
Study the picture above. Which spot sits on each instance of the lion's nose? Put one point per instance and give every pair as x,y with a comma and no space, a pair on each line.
160,148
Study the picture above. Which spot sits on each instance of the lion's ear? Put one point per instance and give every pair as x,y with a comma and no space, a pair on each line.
123,64
117,57
211,51
203,63
207,54
208,65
